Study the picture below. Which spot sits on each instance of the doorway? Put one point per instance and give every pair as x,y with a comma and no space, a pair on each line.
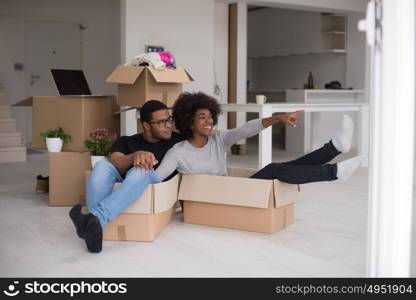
48,44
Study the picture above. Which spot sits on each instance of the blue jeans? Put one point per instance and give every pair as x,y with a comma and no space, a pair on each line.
105,204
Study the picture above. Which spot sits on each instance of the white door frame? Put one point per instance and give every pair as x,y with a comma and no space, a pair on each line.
392,138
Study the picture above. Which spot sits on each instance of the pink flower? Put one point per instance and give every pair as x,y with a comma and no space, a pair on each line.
99,131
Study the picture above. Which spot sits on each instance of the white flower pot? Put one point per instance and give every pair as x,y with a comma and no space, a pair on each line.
95,159
54,144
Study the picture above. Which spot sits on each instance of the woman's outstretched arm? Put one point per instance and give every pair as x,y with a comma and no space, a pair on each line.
253,127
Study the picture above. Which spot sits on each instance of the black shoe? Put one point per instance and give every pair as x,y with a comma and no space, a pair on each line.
78,219
93,234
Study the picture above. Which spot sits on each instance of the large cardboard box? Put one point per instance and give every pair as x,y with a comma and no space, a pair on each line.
66,177
238,202
147,216
136,85
78,116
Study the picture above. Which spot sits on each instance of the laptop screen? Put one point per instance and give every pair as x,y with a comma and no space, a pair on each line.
70,82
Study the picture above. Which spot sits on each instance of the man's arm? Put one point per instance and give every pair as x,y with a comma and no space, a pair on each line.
121,161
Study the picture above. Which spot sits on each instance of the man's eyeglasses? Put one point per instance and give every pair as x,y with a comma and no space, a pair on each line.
162,123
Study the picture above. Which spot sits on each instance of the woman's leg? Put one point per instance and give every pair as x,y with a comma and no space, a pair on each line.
341,142
298,174
318,157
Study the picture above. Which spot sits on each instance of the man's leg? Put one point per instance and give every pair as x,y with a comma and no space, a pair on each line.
108,208
136,181
99,186
101,182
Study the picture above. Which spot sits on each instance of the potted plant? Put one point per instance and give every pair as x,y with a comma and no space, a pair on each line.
55,139
99,144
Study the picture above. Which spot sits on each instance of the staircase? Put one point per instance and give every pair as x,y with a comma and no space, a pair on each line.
11,149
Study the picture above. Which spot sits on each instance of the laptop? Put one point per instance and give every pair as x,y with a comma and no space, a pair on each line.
71,83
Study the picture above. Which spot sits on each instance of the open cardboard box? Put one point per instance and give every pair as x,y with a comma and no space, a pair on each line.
148,216
136,85
66,182
238,202
78,116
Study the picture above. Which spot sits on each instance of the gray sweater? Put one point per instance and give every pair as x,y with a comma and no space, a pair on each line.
210,159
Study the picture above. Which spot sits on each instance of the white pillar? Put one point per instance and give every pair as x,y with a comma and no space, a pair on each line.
392,143
265,139
128,121
241,61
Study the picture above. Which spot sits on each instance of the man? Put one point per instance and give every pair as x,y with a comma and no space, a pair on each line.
128,152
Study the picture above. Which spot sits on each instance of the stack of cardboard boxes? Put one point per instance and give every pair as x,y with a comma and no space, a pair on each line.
78,116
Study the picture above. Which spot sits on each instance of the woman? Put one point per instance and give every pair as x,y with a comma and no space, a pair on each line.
204,150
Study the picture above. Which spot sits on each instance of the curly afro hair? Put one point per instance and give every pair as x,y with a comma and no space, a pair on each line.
185,107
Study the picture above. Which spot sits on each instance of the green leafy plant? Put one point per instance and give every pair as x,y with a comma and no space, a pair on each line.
57,133
100,141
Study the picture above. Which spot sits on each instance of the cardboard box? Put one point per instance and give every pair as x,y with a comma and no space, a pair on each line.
148,216
136,85
66,177
238,202
78,116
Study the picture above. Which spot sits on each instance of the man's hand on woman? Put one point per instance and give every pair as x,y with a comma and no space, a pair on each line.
145,160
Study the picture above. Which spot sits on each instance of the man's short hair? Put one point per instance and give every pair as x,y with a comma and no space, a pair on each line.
150,107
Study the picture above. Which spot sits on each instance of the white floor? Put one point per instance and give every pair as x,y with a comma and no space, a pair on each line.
328,238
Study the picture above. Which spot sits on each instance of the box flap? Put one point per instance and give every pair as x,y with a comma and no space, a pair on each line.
178,75
125,74
166,194
123,110
226,190
25,102
241,172
189,75
142,205
284,193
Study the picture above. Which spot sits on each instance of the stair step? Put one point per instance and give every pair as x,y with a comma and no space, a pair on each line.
10,140
5,111
8,125
12,154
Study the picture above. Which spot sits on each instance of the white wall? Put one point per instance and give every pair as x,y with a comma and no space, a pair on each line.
292,71
100,49
101,38
184,27
280,31
356,52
